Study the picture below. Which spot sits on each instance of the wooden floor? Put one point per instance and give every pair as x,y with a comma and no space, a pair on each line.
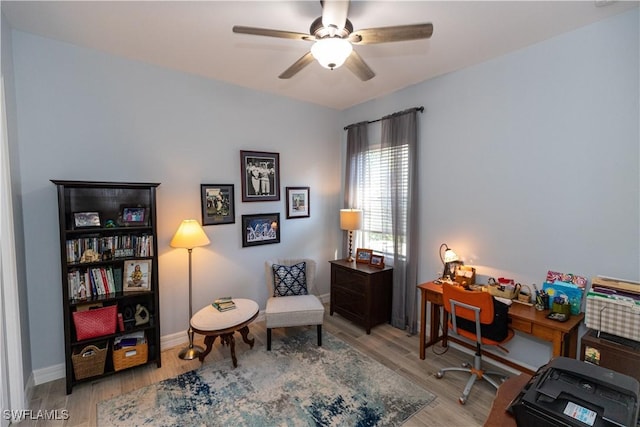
390,346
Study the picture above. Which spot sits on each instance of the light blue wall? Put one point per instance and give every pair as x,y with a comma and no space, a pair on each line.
90,116
530,162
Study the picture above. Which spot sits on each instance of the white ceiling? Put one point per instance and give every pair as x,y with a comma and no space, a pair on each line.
195,37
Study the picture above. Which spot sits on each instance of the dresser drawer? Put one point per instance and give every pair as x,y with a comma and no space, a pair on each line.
344,301
521,325
351,280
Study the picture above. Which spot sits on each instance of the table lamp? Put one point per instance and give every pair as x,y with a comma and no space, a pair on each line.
190,235
448,258
350,219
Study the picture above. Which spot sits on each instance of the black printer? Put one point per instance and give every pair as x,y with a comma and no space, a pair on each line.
571,393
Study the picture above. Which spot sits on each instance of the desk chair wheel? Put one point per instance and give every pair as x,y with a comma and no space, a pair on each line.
462,400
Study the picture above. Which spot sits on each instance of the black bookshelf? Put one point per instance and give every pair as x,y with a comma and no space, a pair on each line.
105,227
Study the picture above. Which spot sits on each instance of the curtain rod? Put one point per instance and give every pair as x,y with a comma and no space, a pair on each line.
419,109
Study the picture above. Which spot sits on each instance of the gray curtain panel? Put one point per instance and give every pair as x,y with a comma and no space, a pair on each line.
357,142
399,130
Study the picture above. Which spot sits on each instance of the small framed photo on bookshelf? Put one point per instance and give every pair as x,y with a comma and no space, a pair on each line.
86,219
377,261
137,275
134,216
363,255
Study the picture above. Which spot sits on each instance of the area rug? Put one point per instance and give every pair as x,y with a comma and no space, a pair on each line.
295,384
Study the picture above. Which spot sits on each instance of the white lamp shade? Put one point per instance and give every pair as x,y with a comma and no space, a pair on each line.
350,219
189,235
331,52
450,256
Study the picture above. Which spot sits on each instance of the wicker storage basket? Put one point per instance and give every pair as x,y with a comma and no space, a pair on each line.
89,362
525,296
127,357
509,292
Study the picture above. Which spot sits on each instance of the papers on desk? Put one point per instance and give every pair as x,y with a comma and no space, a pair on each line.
504,300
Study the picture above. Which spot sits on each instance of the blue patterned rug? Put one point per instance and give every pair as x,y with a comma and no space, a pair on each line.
296,384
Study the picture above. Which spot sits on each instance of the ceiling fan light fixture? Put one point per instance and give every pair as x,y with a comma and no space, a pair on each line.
331,52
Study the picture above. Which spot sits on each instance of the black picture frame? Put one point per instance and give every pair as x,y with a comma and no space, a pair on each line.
298,202
260,229
134,216
86,220
260,173
218,204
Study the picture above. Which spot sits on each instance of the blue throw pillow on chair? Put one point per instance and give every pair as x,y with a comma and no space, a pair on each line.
289,280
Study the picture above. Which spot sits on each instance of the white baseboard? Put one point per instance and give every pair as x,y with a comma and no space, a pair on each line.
44,375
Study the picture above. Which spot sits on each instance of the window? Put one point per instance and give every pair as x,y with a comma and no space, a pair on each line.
376,183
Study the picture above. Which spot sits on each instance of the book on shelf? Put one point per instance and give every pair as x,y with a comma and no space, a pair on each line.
224,304
96,281
120,246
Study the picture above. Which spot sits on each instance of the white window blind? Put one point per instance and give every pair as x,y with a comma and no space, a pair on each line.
377,183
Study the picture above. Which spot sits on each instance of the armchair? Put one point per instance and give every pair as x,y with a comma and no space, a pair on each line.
291,301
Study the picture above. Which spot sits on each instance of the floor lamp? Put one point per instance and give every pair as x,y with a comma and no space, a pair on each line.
350,219
190,235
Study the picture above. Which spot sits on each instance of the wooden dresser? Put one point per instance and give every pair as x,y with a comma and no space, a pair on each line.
361,293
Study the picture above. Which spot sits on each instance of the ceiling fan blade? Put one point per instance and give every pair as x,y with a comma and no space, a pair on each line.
272,33
305,60
392,34
357,66
334,13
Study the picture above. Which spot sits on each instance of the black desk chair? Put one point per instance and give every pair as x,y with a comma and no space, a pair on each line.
477,316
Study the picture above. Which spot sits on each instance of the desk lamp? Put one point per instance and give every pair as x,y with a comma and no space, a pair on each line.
449,259
190,235
350,219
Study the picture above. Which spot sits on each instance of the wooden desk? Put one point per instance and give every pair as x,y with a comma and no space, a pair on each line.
524,318
508,390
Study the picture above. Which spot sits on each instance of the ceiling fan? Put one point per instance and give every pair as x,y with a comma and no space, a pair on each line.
333,37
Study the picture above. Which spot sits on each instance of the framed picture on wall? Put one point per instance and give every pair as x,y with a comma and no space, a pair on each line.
260,229
218,204
260,173
297,202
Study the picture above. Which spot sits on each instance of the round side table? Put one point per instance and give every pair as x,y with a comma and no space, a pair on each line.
213,323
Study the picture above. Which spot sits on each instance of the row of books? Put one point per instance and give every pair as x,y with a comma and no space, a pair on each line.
128,245
224,304
92,282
